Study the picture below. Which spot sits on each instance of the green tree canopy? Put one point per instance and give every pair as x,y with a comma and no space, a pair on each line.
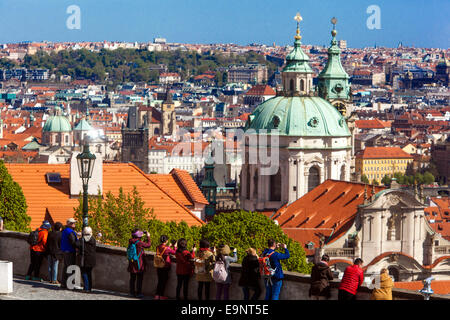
13,205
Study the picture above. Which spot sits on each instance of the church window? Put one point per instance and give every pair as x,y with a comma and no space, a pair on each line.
302,85
313,178
291,85
275,186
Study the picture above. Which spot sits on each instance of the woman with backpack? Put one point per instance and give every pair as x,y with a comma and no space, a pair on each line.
250,275
136,262
221,273
87,246
204,264
162,263
184,267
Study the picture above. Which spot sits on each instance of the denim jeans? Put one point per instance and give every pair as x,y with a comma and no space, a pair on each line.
53,263
86,272
273,289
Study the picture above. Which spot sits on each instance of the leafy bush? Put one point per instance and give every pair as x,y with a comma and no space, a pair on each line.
13,205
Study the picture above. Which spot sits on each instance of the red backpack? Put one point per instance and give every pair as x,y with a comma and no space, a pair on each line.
265,267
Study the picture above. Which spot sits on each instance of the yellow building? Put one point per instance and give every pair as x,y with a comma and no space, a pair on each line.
376,162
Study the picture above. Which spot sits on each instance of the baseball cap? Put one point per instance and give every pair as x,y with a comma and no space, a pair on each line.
71,220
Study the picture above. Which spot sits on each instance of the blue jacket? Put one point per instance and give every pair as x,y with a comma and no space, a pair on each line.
68,240
275,261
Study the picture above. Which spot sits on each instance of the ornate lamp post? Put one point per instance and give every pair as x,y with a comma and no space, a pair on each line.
85,161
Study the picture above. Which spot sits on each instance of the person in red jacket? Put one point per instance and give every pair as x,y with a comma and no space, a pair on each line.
38,252
184,268
351,281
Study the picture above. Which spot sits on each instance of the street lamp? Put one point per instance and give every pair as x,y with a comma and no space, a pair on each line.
85,161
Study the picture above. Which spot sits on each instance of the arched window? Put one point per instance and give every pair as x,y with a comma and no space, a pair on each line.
302,85
342,173
393,271
275,186
291,85
313,178
248,182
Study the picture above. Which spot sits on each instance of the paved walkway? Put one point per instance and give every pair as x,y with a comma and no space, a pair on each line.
33,290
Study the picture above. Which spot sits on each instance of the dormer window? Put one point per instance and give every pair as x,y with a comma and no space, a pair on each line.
276,122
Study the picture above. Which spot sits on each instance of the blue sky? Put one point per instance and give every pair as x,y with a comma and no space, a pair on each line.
422,23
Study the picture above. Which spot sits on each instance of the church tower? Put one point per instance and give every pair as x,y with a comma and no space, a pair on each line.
333,82
297,75
168,116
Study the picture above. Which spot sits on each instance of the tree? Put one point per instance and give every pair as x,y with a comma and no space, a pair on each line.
375,182
364,179
13,205
386,180
428,178
243,230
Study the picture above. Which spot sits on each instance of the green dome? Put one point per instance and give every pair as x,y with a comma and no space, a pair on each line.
297,60
57,123
298,116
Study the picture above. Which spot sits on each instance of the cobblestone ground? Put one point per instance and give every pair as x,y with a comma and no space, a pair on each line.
33,290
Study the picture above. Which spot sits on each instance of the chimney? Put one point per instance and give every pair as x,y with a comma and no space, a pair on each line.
95,182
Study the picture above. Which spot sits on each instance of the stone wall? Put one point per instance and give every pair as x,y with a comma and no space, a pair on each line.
111,273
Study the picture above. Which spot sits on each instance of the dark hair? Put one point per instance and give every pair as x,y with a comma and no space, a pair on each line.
204,244
163,238
325,257
270,242
181,245
57,226
358,261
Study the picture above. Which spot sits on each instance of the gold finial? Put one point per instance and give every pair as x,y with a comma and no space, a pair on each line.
334,21
298,18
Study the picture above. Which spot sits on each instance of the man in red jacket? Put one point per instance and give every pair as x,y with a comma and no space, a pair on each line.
351,281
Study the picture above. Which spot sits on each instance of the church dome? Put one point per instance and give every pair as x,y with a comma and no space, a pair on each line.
57,123
298,116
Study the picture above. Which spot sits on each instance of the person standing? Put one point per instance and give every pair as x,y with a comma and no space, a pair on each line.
384,291
137,267
184,268
320,280
351,281
274,284
87,247
163,253
250,275
54,254
68,247
204,264
223,257
37,252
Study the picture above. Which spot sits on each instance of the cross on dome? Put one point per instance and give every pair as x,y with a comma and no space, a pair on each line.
298,18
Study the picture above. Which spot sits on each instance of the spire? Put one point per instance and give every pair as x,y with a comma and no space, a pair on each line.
298,18
333,80
297,60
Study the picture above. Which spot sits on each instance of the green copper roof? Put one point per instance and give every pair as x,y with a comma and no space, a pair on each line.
57,123
334,69
33,145
298,116
83,125
297,60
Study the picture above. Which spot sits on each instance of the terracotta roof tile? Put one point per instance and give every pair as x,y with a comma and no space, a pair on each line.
190,186
383,153
438,286
40,195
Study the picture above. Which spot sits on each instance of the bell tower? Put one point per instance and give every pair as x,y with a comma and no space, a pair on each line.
333,82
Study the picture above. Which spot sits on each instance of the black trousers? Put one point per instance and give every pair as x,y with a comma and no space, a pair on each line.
346,296
70,258
183,281
256,293
36,258
207,285
136,280
163,276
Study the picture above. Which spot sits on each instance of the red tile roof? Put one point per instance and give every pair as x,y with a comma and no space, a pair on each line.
328,209
383,153
439,216
438,286
42,197
260,90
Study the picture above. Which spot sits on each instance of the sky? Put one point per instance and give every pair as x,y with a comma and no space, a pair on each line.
419,23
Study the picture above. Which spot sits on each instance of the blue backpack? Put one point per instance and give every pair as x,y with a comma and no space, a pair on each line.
132,254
